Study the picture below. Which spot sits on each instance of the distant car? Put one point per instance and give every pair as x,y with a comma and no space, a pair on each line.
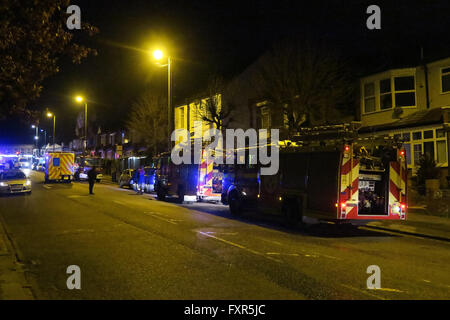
41,167
127,178
14,181
25,163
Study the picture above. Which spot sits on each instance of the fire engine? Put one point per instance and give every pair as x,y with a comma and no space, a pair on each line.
328,173
175,180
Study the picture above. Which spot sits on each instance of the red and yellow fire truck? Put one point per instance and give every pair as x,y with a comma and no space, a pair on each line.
330,174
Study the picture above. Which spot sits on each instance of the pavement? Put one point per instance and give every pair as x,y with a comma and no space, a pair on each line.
131,246
419,224
13,284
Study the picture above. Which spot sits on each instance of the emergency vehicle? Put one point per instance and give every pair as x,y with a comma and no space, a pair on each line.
59,166
327,173
175,180
210,176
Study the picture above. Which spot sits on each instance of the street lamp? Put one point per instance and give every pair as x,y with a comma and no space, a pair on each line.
158,55
80,99
45,135
49,115
36,136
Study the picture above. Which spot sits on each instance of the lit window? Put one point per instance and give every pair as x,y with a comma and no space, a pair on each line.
405,95
445,80
385,94
265,118
441,149
181,118
369,97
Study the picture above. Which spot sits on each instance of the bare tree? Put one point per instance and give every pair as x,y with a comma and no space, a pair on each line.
148,122
215,107
305,81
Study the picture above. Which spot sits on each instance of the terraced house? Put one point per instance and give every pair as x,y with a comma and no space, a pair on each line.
412,103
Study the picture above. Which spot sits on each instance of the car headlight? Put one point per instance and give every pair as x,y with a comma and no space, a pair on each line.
28,183
3,184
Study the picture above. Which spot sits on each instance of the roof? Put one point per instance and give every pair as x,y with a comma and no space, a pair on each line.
416,119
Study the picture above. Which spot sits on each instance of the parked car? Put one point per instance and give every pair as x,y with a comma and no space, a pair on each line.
82,174
127,178
14,181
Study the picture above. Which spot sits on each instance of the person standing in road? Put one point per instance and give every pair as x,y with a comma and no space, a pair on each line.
141,180
92,176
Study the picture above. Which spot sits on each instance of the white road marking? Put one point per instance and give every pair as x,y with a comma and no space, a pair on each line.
162,217
227,233
46,186
362,291
238,246
284,254
387,289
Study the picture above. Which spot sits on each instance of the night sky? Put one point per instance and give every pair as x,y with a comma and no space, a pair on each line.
222,38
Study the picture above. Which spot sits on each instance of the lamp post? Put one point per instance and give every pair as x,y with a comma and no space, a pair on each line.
80,99
36,136
158,55
49,115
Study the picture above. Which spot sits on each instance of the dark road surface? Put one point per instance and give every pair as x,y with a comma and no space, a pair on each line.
134,247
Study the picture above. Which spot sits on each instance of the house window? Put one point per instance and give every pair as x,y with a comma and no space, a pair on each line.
445,80
265,118
417,135
407,148
428,134
181,118
440,133
417,153
407,136
385,94
441,151
405,94
428,148
369,97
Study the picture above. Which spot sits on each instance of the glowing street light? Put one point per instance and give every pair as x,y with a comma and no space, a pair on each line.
158,55
36,135
80,99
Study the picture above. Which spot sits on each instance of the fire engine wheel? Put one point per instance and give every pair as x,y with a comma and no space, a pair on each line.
291,212
180,195
161,195
235,204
